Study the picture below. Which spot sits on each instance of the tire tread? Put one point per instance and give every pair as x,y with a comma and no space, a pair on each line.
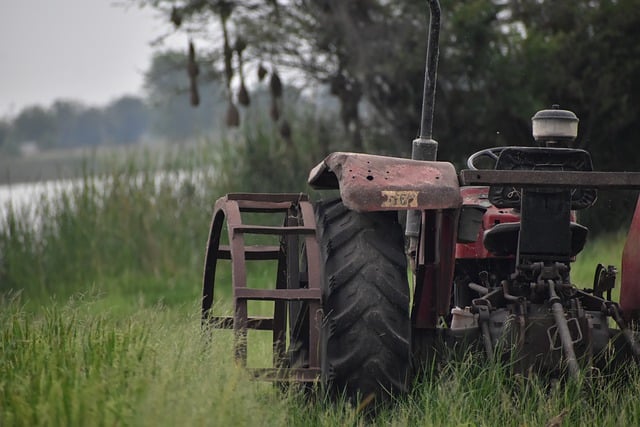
366,329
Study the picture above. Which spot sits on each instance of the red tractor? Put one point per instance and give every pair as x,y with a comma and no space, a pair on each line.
490,252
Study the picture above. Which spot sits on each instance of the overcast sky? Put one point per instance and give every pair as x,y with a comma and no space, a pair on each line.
88,50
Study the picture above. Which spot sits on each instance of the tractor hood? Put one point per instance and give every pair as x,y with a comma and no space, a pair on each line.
378,183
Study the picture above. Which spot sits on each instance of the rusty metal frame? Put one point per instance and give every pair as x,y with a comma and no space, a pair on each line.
576,179
298,228
435,267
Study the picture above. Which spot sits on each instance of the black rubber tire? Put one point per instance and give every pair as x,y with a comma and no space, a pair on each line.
366,330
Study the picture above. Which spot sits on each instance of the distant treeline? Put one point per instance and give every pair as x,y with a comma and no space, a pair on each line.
163,112
72,124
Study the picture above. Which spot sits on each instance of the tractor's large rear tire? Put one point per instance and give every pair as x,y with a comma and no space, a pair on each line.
365,337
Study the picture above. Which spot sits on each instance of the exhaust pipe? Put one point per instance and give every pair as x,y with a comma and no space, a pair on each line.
430,75
425,147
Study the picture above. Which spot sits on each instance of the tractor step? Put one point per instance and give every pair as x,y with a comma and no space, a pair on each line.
260,323
266,202
277,231
296,294
252,252
278,294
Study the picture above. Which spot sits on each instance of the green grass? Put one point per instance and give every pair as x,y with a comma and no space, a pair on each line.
605,250
99,320
78,363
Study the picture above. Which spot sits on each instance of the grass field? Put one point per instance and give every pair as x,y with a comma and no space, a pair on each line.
99,325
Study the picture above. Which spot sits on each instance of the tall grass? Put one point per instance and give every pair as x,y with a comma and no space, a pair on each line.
99,325
132,225
107,232
75,365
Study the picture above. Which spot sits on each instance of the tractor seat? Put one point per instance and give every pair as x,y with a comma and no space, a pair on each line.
502,239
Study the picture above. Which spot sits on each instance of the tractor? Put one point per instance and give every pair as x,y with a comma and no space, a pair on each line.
489,252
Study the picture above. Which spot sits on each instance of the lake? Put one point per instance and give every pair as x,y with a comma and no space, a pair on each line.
23,197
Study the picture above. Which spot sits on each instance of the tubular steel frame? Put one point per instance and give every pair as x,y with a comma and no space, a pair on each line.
299,290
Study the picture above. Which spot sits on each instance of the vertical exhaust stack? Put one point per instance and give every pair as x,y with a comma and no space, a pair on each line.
425,147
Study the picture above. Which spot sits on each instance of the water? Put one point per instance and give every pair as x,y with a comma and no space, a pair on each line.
24,198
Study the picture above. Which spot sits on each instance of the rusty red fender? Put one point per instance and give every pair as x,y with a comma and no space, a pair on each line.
379,183
630,287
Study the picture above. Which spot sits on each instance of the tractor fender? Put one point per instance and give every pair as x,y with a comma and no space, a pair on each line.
630,286
378,183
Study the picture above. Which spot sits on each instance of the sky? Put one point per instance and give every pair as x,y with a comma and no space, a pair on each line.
92,51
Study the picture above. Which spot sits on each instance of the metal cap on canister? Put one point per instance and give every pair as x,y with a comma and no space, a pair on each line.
554,126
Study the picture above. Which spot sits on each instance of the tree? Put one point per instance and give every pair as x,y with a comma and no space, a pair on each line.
167,89
126,120
71,124
586,56
594,58
5,128
76,125
33,124
295,37
370,53
501,61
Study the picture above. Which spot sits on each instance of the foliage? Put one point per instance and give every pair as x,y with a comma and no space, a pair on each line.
500,62
166,87
497,51
126,120
262,161
33,124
